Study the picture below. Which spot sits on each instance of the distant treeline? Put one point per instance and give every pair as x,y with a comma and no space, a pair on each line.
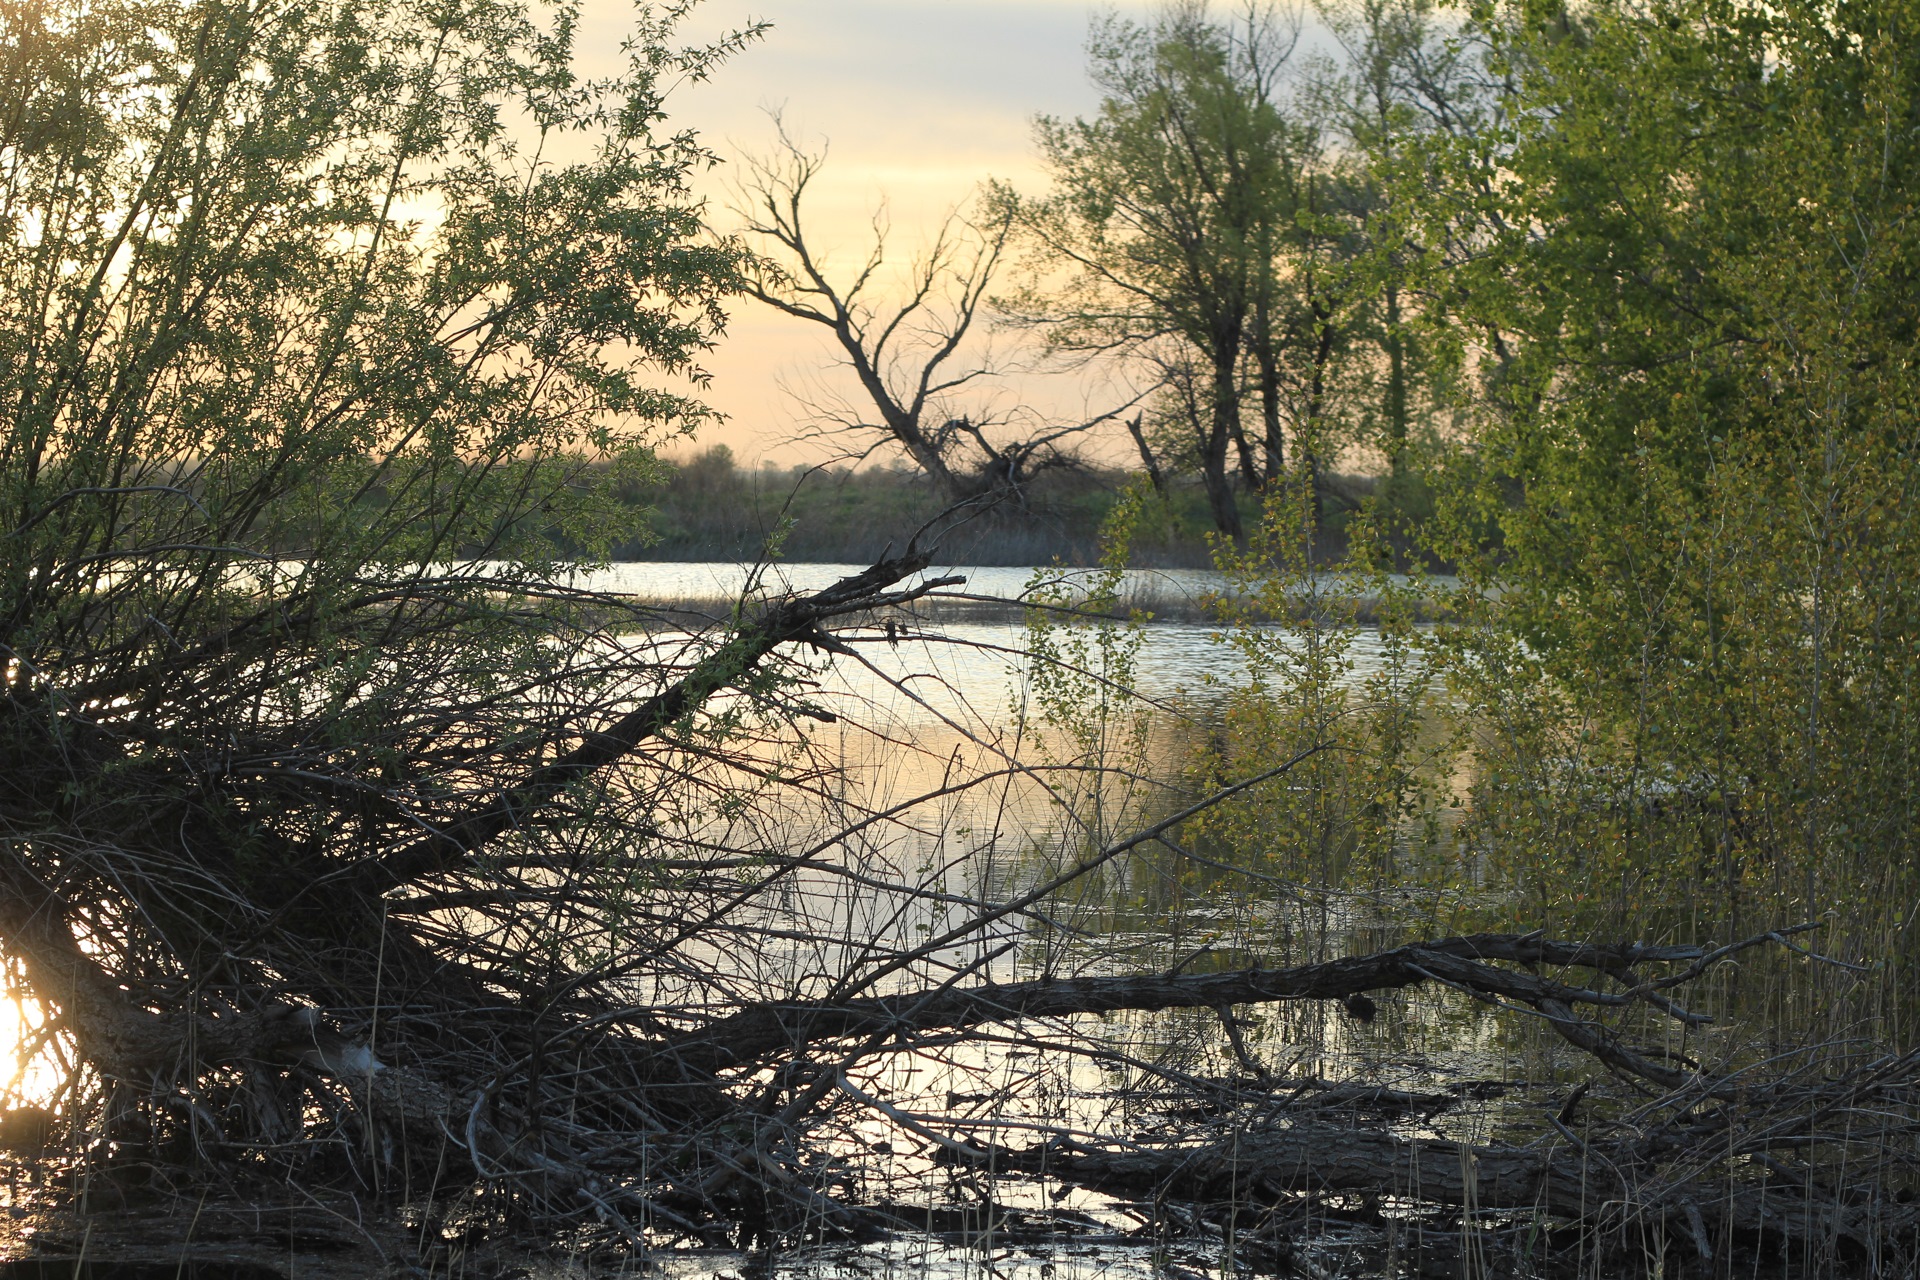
708,508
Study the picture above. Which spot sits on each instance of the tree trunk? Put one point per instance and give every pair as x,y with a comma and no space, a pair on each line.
1309,445
1147,460
1223,428
1267,361
1396,388
1463,962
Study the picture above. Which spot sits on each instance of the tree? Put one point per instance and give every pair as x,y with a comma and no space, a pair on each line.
1162,211
1689,254
1371,105
906,356
1402,90
314,320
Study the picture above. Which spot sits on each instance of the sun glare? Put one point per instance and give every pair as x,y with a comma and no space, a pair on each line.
27,1040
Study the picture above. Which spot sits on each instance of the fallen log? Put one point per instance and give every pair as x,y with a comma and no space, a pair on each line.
1600,1188
1737,1156
785,1027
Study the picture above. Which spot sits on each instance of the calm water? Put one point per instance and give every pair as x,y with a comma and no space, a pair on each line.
939,700
947,698
980,665
726,581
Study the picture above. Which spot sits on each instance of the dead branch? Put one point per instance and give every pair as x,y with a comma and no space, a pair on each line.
784,1028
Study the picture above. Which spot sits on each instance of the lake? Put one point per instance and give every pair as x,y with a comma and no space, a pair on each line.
944,699
916,781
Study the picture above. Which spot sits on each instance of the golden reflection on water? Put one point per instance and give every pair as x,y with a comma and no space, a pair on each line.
939,700
35,1075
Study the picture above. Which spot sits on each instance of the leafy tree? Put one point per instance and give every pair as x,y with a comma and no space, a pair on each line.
1161,215
1397,86
314,318
1692,250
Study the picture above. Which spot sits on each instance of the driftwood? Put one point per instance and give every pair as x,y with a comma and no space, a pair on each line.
126,1040
222,1008
1687,1166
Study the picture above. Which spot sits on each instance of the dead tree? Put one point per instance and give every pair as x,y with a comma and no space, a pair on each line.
908,356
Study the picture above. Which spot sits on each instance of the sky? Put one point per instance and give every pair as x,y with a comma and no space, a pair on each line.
917,101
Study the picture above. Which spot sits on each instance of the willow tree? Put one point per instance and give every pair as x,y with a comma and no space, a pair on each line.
1691,252
325,330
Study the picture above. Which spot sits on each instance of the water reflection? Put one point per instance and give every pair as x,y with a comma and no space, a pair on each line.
914,713
942,701
934,725
974,672
990,1255
726,581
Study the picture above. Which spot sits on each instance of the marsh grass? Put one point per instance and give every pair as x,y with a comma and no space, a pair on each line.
1469,789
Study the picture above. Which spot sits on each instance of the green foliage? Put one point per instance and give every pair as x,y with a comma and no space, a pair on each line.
1088,727
1161,227
1160,195
1689,303
312,318
1232,224
1623,296
1361,812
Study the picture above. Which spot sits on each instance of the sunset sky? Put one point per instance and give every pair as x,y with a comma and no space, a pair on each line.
920,100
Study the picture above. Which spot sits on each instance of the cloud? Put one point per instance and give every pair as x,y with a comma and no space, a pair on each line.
931,83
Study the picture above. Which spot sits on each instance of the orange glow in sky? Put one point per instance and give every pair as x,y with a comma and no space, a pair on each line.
919,100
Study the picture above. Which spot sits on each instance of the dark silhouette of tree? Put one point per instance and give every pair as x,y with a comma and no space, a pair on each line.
909,355
1163,212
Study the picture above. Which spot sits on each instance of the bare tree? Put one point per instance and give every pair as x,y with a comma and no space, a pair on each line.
907,355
